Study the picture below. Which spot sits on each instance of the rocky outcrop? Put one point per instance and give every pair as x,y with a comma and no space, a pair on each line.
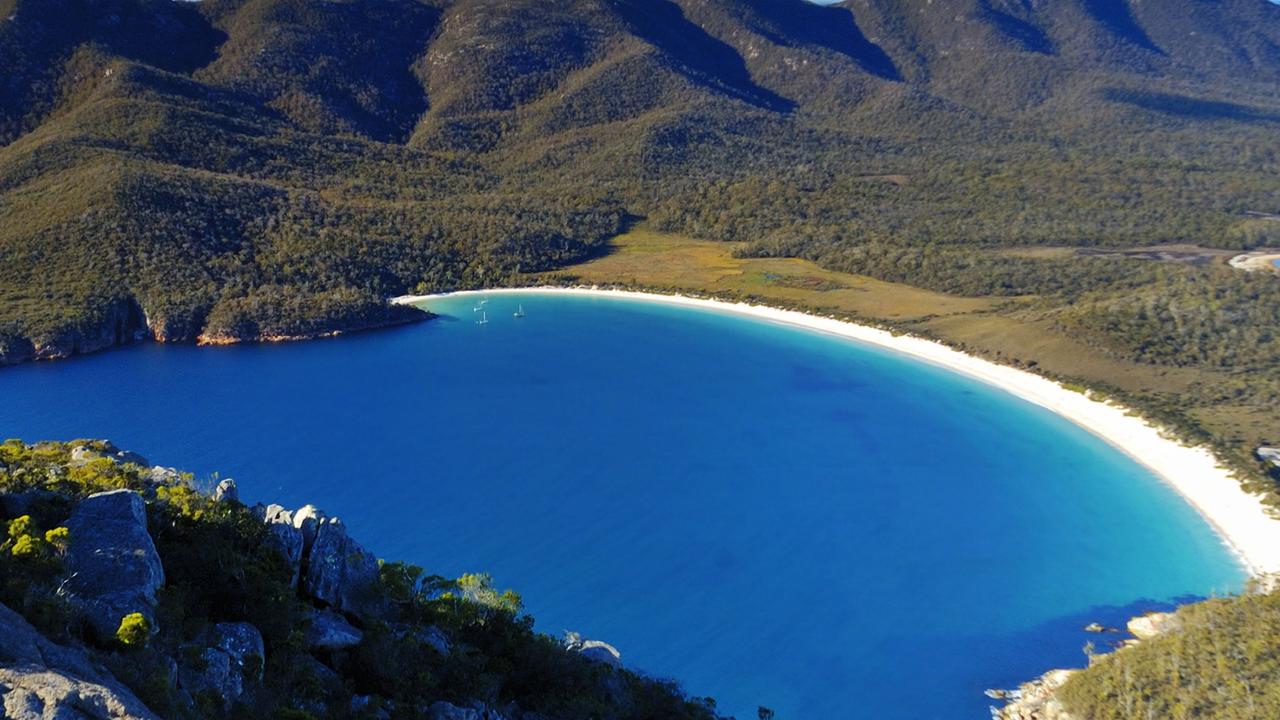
230,663
283,536
15,349
175,327
1036,700
157,476
227,491
116,323
307,519
113,568
601,652
339,572
333,568
286,314
40,680
594,650
329,631
81,455
123,321
1150,625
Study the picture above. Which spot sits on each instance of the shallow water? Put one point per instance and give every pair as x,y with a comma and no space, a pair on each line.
772,516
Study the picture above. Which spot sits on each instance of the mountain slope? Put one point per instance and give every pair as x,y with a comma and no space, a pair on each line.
177,159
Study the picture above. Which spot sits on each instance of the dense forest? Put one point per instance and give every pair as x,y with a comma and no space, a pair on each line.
169,167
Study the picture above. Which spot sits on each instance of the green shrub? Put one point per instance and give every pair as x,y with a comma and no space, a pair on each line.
134,630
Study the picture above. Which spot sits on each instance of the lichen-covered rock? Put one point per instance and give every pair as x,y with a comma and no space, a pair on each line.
30,693
81,455
226,491
241,641
40,680
229,665
330,631
113,568
162,476
339,571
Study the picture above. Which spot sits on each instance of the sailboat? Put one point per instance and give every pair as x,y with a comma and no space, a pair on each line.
484,319
518,313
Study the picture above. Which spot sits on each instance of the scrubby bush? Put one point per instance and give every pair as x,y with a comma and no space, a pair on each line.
134,630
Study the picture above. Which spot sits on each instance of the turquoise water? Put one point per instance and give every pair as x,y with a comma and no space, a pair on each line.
772,516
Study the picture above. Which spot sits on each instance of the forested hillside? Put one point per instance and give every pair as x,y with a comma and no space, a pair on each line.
233,169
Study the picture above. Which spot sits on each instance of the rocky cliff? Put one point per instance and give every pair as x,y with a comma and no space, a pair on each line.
165,601
124,322
115,323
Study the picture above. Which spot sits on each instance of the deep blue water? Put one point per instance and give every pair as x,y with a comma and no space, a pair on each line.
770,515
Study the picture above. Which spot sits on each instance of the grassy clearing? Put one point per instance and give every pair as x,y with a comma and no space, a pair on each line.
643,257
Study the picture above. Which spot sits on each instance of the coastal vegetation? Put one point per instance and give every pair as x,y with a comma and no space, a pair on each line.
231,589
1218,659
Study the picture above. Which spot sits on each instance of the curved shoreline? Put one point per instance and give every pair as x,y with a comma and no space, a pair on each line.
1240,519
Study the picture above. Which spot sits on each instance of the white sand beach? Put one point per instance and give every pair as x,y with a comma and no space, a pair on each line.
1240,518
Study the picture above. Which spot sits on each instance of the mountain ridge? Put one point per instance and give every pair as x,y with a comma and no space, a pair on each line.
187,156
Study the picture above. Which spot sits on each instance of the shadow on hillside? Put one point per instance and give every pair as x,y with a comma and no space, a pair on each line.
1030,37
832,28
1189,107
700,57
1117,17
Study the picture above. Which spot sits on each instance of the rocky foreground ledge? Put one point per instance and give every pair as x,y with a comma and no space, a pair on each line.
128,594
